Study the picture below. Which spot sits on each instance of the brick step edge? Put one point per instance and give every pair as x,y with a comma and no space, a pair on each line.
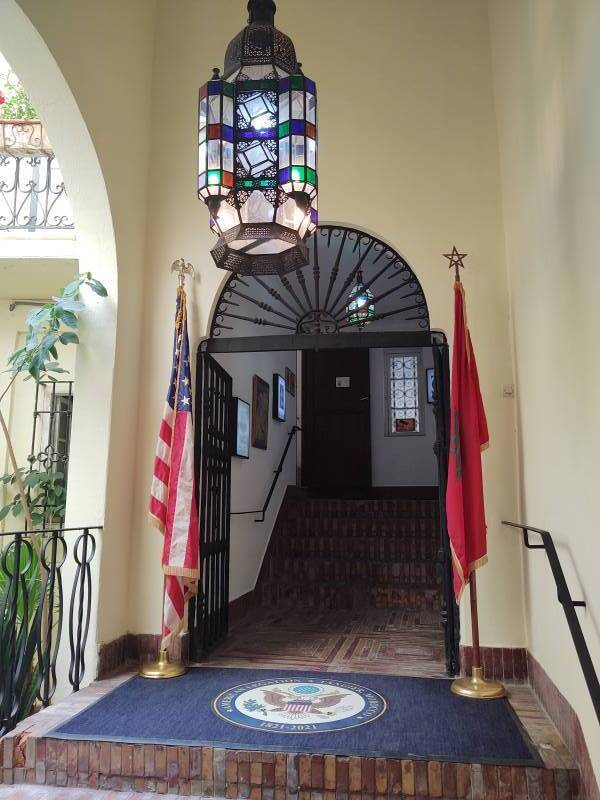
216,772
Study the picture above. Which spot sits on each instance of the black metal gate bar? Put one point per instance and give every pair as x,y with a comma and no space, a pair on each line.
209,612
441,408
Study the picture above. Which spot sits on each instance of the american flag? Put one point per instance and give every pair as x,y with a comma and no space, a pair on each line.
173,506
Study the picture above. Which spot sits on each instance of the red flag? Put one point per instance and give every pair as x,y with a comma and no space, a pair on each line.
173,507
468,437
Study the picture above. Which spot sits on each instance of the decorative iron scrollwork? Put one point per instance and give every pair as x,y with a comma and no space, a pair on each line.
314,298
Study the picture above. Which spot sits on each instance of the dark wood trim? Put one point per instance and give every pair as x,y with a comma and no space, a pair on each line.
133,649
323,341
500,663
241,606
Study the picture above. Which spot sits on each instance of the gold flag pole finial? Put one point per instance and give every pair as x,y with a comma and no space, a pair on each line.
183,268
456,260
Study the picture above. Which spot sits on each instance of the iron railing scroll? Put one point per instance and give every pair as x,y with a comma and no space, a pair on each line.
32,189
569,605
276,473
33,566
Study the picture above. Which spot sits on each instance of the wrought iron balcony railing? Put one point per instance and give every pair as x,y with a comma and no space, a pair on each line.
35,606
32,190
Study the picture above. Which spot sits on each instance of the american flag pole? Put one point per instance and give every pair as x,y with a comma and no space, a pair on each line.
173,502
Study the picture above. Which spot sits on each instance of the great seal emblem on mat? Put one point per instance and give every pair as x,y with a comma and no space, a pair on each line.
299,706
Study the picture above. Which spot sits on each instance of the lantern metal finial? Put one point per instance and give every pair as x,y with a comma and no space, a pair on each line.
262,12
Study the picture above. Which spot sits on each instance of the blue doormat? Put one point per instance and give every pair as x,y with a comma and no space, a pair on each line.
289,711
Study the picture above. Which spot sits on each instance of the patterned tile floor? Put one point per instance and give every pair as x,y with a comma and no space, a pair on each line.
394,642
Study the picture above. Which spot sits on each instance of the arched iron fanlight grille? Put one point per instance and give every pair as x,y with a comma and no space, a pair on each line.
314,299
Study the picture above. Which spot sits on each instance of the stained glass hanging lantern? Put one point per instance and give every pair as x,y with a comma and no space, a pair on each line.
258,151
360,308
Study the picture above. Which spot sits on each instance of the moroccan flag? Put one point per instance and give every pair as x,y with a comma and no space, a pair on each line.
173,507
468,437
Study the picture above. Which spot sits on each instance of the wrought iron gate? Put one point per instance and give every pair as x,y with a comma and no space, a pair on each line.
208,614
441,408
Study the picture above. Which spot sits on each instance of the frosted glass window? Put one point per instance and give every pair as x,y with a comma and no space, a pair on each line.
403,393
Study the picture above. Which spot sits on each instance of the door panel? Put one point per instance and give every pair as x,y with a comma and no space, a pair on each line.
336,419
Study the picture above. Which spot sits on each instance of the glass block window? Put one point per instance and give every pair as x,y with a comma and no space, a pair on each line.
403,393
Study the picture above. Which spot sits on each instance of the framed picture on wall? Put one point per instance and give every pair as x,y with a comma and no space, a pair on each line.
430,380
290,382
278,397
240,445
260,413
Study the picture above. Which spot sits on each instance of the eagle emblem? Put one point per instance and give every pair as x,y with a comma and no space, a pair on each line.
302,701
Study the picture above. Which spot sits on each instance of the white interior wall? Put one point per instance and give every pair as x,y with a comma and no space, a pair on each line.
406,460
251,478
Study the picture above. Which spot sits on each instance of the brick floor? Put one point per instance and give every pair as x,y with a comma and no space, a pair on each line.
380,641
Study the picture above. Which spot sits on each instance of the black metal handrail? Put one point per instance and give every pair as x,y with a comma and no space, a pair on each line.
31,615
569,605
276,473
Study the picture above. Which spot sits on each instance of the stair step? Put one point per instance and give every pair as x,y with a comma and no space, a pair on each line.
356,595
422,573
372,548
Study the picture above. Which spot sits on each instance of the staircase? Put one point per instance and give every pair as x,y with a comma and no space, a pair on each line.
351,553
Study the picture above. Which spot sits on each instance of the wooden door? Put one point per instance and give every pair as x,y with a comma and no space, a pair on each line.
336,419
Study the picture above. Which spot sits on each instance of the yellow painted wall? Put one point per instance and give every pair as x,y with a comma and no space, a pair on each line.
547,62
104,51
408,150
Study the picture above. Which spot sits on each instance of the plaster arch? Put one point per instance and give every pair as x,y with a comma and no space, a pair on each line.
33,62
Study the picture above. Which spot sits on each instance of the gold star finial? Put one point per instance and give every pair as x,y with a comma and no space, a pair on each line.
456,260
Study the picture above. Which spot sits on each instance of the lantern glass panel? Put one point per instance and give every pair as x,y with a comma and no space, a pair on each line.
202,113
214,153
297,105
202,156
311,108
228,156
284,107
257,157
228,111
214,109
284,153
311,153
298,150
256,110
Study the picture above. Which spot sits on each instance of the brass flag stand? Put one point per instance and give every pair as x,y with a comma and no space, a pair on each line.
164,667
475,685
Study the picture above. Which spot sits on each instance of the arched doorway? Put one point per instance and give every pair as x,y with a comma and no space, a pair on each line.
311,311
49,91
